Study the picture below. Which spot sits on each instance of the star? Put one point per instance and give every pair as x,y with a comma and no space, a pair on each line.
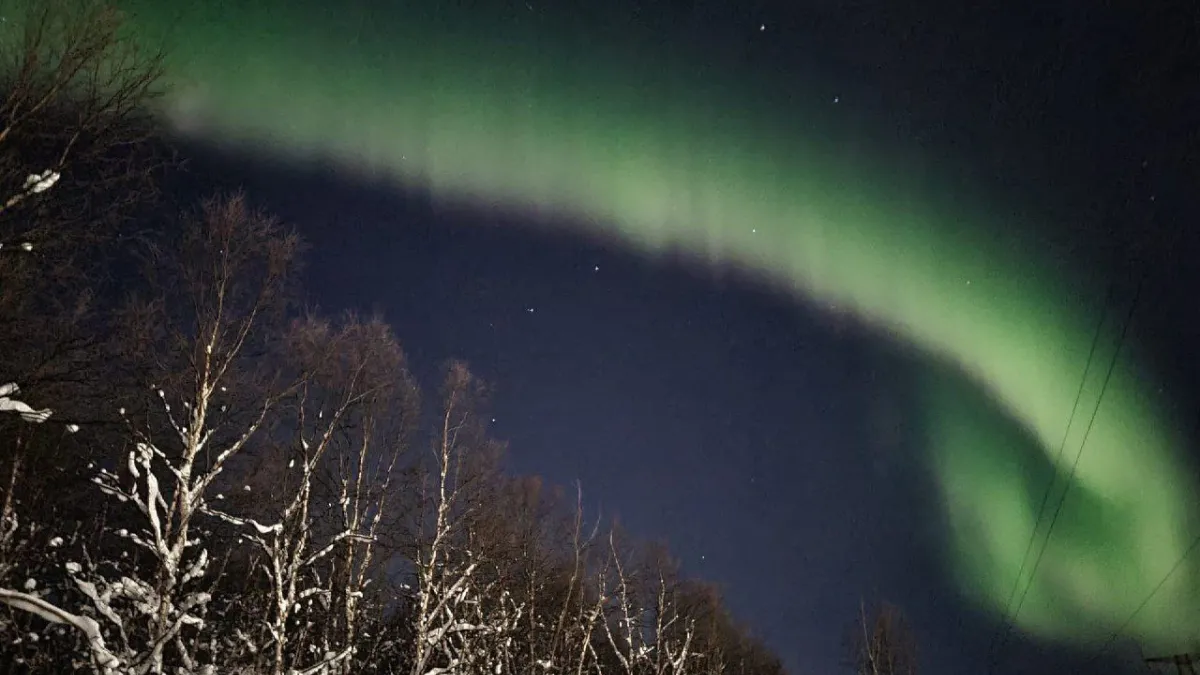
762,27
529,309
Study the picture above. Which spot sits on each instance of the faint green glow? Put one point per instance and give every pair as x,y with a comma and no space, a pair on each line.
663,160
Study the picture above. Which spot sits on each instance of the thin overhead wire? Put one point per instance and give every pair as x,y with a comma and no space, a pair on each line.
1195,544
1146,601
1083,443
1001,633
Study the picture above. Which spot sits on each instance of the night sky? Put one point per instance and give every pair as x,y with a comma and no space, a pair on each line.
780,443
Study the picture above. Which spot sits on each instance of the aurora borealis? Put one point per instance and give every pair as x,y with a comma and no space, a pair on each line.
525,114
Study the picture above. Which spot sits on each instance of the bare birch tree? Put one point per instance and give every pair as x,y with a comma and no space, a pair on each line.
350,378
540,548
75,88
77,159
445,565
882,642
222,281
674,649
368,472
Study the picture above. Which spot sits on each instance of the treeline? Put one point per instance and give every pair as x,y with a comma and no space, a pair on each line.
199,476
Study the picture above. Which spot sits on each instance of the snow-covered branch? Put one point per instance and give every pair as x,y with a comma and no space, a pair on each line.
24,410
104,660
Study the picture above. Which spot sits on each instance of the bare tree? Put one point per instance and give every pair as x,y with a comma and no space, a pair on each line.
647,629
220,283
446,566
350,377
78,158
367,477
100,657
625,622
75,87
538,549
882,642
674,627
566,647
75,90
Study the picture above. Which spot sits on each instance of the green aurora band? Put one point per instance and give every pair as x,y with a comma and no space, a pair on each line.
677,158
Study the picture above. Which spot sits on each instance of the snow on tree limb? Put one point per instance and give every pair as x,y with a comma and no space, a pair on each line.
24,410
103,659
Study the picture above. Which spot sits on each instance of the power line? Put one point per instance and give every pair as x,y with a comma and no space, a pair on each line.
1154,591
1082,444
1079,454
1001,633
1158,587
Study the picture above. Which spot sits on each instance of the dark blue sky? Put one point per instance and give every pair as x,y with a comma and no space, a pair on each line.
771,444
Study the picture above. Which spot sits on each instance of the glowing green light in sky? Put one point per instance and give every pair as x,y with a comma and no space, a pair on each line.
496,112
